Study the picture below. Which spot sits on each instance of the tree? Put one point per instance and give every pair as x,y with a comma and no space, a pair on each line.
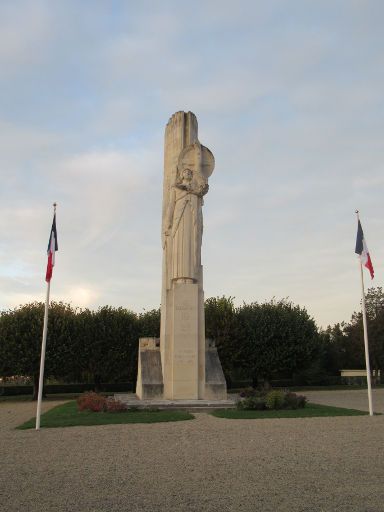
221,326
21,333
374,302
275,336
149,324
107,342
354,332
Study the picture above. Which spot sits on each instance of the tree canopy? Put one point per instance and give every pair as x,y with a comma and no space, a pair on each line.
262,340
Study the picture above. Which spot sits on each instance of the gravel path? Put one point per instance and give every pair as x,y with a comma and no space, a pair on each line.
207,464
351,399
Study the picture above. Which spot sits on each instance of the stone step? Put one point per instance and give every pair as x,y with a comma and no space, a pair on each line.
131,400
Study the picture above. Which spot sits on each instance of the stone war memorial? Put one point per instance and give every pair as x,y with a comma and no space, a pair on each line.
182,364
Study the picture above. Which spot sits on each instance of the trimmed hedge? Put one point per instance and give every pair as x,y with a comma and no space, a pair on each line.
52,389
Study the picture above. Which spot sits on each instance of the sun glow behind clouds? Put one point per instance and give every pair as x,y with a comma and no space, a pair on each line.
82,296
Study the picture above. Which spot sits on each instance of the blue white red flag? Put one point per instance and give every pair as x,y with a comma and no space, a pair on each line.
362,250
52,248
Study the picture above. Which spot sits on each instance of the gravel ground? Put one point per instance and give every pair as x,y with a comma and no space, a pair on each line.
351,399
207,464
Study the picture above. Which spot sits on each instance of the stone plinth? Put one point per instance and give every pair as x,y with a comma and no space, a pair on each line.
181,364
131,400
149,376
215,384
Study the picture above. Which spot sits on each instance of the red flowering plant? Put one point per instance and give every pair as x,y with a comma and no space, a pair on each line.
97,403
92,402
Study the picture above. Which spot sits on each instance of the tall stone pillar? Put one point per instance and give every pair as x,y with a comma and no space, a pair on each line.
187,167
190,367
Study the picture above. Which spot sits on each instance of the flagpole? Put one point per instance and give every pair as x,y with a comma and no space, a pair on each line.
43,346
42,358
367,364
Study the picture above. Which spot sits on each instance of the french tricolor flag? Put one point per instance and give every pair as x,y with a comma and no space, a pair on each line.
362,250
52,248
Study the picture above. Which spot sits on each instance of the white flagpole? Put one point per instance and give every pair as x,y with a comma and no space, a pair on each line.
367,364
42,358
43,346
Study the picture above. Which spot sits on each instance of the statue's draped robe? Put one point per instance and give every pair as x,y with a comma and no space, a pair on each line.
186,233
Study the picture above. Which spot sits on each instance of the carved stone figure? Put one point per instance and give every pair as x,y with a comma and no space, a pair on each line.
183,223
190,370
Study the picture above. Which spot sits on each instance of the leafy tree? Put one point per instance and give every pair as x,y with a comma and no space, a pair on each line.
354,332
21,333
275,336
149,324
337,349
107,343
374,302
221,326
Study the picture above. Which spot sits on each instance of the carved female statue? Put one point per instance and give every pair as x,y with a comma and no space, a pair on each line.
184,223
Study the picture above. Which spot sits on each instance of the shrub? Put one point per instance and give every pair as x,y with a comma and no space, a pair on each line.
301,401
253,403
92,402
293,401
275,399
253,392
113,405
247,392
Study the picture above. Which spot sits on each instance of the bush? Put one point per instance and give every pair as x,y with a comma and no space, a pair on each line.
113,405
92,402
251,392
275,399
97,403
253,403
293,401
256,400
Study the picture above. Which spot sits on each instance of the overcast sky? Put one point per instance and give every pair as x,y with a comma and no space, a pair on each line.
289,98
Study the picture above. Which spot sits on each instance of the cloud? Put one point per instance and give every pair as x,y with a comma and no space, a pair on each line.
25,32
288,98
19,143
100,185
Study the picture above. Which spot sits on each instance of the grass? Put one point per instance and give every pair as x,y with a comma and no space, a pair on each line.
67,415
309,411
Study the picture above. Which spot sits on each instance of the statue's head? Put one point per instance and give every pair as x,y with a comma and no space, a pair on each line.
184,175
187,174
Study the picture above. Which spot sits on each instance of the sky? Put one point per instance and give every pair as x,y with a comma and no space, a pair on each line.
289,98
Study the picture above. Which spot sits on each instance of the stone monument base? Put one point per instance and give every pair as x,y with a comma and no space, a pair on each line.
131,400
215,385
150,384
183,341
149,373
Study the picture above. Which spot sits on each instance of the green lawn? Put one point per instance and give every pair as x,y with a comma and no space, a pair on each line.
309,411
67,415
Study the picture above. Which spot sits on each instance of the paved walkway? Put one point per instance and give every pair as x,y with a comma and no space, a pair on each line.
351,399
206,464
